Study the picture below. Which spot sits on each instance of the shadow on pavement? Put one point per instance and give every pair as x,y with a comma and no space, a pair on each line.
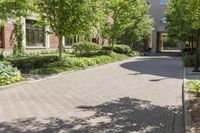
118,116
164,67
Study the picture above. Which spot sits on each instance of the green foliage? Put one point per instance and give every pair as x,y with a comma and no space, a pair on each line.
140,30
85,48
183,19
122,49
18,49
188,60
135,53
76,63
194,86
68,17
12,9
1,54
26,63
119,48
8,74
125,18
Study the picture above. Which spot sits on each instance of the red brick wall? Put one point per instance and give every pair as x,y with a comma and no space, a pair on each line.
8,36
54,42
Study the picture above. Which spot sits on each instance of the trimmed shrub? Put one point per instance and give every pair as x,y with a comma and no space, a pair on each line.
85,48
189,50
119,48
74,63
188,60
122,49
9,75
26,63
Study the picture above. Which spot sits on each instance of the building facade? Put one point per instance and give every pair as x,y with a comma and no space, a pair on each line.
35,38
157,11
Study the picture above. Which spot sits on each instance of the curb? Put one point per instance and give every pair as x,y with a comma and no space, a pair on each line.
186,104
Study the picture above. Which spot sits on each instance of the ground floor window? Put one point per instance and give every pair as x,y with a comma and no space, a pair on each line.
73,39
1,37
69,41
35,35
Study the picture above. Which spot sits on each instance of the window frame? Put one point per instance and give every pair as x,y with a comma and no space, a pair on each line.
163,2
38,41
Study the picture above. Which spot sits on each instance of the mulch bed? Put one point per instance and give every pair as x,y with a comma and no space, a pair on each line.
195,112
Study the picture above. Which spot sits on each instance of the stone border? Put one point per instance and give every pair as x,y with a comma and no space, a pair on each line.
186,105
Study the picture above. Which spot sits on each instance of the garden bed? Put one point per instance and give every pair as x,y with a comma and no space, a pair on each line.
192,100
44,64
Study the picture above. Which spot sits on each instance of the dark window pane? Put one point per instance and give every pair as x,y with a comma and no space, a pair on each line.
34,34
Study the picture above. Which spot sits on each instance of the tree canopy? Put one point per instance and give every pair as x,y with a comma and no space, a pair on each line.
129,19
12,9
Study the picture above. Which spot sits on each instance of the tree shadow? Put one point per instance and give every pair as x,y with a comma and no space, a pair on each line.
118,116
164,67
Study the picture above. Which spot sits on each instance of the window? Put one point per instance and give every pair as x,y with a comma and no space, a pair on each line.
163,20
163,2
69,41
35,35
1,37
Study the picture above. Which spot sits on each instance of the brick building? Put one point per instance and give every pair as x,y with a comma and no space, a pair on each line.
35,37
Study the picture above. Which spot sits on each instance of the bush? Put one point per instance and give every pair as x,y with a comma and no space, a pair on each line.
1,54
189,50
188,60
85,48
194,86
74,63
9,75
119,48
26,63
122,49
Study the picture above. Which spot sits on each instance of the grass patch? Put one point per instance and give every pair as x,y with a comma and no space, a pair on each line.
194,86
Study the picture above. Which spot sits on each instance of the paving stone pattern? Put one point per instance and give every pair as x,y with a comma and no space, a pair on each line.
138,95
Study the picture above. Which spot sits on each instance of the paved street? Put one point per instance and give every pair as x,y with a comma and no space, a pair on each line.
138,95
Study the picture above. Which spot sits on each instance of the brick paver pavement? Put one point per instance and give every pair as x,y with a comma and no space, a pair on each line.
137,95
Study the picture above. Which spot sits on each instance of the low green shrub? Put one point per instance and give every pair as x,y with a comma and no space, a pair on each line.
1,54
188,60
6,62
122,49
26,63
9,75
119,48
85,48
135,53
75,63
194,86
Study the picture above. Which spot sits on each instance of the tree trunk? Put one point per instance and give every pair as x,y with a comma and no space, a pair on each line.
113,42
60,47
192,43
196,67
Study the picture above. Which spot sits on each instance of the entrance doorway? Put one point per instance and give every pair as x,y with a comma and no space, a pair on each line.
165,43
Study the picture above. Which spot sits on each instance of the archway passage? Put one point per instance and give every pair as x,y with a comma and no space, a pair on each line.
166,44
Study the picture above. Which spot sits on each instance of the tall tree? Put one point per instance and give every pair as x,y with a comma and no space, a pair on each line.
123,14
68,17
139,30
183,19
